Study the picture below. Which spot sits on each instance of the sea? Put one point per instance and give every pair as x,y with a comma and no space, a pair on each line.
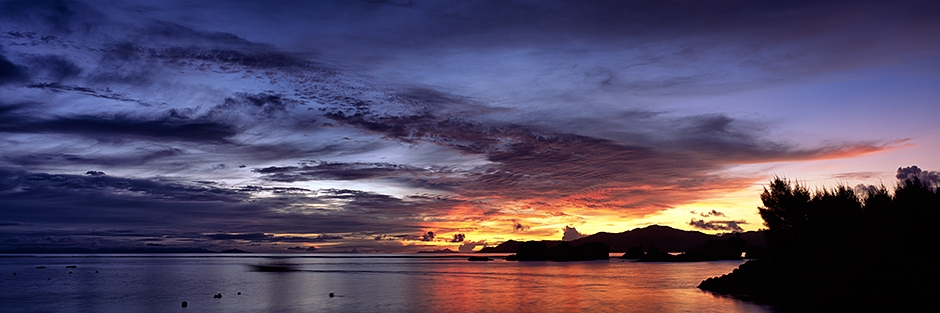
357,282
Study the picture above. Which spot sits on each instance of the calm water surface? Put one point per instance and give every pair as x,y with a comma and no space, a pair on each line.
361,283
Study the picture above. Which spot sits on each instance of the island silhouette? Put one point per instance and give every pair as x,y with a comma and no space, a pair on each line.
665,244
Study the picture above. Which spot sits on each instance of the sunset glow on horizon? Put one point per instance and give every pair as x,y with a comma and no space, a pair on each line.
398,126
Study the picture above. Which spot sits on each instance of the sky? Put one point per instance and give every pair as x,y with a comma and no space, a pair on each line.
399,126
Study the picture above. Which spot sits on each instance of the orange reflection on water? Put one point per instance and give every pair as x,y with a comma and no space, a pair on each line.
600,286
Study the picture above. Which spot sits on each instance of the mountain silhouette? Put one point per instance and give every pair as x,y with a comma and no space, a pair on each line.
664,237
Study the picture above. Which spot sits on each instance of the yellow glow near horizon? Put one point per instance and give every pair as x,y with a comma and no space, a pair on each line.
533,219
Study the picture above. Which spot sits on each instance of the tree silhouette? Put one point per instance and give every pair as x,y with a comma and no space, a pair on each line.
837,247
785,213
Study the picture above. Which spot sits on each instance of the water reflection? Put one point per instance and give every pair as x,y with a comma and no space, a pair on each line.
160,283
599,286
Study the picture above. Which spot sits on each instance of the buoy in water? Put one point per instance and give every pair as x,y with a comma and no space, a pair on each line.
185,304
331,295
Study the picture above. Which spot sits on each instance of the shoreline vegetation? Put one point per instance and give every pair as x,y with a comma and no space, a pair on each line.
838,248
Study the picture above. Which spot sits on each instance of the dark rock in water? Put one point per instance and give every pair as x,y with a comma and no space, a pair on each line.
714,250
331,295
218,296
564,252
14,274
478,258
530,251
40,267
654,255
96,272
728,249
635,252
70,272
239,293
185,304
71,266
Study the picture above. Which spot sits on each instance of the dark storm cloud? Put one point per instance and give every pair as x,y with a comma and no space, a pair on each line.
167,128
320,170
99,194
712,213
63,17
517,226
53,68
59,16
251,236
115,67
647,47
130,159
191,46
720,138
10,72
56,87
60,205
590,171
768,35
429,236
440,117
733,226
29,185
12,111
328,237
